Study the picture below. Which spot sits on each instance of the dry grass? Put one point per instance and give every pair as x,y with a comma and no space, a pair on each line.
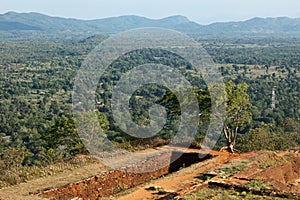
25,191
220,194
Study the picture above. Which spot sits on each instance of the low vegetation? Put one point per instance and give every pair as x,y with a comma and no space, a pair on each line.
37,77
226,172
220,194
11,176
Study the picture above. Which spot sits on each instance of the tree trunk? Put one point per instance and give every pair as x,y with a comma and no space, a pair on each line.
229,147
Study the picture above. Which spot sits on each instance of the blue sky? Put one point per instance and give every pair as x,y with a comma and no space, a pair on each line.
201,11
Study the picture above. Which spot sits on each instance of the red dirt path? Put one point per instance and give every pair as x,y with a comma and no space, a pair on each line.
279,171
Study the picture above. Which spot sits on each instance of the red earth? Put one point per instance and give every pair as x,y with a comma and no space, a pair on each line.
280,172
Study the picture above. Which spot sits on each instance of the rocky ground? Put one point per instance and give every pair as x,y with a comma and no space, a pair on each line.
261,173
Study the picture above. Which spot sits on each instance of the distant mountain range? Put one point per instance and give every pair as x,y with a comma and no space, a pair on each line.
43,24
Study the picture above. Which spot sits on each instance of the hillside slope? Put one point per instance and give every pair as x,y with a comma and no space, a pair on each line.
44,24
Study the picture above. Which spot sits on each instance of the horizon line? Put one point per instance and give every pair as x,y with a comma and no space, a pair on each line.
151,18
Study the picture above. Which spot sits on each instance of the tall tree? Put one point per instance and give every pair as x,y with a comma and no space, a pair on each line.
238,112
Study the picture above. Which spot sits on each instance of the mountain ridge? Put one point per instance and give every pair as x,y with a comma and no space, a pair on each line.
44,24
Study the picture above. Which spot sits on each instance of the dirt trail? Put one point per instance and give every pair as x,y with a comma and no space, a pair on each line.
180,181
148,165
183,181
24,191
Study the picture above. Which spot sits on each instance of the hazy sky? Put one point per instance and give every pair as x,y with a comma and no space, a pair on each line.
201,11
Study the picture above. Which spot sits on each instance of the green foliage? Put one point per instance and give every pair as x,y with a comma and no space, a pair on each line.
36,79
289,125
146,96
238,113
232,170
62,139
120,188
238,105
264,138
12,158
257,185
205,177
265,165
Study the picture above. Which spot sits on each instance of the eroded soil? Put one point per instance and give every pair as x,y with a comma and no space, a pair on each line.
266,173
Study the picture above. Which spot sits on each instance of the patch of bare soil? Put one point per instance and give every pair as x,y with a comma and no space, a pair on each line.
25,191
182,182
283,177
262,173
114,181
265,173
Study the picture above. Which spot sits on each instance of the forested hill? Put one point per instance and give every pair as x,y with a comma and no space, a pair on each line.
107,25
257,25
42,25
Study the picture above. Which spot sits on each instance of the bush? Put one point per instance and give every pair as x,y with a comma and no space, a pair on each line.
264,138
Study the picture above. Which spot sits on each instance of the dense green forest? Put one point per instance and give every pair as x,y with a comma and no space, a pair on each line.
37,78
